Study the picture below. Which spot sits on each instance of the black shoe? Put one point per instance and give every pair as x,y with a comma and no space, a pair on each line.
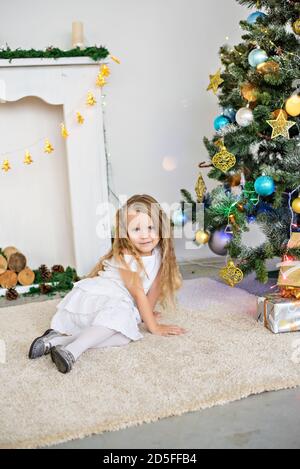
41,345
63,359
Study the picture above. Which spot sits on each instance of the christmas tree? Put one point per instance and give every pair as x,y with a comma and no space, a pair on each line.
255,152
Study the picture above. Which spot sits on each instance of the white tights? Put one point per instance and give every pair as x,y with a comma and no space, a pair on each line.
91,337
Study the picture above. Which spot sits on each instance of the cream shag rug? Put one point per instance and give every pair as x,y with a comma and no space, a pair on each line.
225,356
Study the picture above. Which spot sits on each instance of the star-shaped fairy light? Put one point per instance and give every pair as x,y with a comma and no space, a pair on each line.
215,81
6,166
64,132
27,158
90,100
105,70
101,80
281,126
80,118
48,148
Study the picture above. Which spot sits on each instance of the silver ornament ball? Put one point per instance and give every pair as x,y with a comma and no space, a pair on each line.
218,242
244,117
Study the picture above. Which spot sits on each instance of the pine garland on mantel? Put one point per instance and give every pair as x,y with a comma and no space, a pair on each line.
95,53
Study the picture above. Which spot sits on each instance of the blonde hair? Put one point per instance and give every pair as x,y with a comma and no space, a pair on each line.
171,279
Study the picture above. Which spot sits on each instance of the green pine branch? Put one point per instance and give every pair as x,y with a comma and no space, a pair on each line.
96,53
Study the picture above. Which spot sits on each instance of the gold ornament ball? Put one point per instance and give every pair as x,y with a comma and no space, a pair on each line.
232,219
240,207
249,92
292,105
202,237
296,27
234,180
276,113
269,67
296,205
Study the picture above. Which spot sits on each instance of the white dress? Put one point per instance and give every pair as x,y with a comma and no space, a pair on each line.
104,300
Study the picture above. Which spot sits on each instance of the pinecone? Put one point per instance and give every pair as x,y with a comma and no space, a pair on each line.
11,294
44,289
58,268
45,273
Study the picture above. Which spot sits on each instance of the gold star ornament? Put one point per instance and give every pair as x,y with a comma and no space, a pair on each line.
215,81
281,126
231,274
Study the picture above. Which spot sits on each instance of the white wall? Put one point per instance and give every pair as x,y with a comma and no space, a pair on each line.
157,103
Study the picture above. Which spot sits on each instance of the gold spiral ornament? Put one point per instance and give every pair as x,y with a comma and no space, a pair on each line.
231,274
224,160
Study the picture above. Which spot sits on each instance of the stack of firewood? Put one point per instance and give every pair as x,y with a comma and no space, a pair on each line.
14,269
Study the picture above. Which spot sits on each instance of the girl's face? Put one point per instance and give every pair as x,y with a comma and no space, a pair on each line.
141,232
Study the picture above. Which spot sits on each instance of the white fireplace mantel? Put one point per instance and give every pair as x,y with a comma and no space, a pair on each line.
65,82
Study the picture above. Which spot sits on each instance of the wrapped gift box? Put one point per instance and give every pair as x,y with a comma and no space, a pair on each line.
289,275
279,314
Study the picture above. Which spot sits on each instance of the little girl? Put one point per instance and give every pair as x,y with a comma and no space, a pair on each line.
104,308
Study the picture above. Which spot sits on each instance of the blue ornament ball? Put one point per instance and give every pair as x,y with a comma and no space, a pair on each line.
254,16
263,207
221,122
230,113
248,207
256,57
218,242
264,186
251,218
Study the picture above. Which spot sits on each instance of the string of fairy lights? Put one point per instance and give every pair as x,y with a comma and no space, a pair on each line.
79,117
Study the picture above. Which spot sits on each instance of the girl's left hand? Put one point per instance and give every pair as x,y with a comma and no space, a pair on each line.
157,314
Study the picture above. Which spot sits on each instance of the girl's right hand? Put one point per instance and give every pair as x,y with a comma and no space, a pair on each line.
167,330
